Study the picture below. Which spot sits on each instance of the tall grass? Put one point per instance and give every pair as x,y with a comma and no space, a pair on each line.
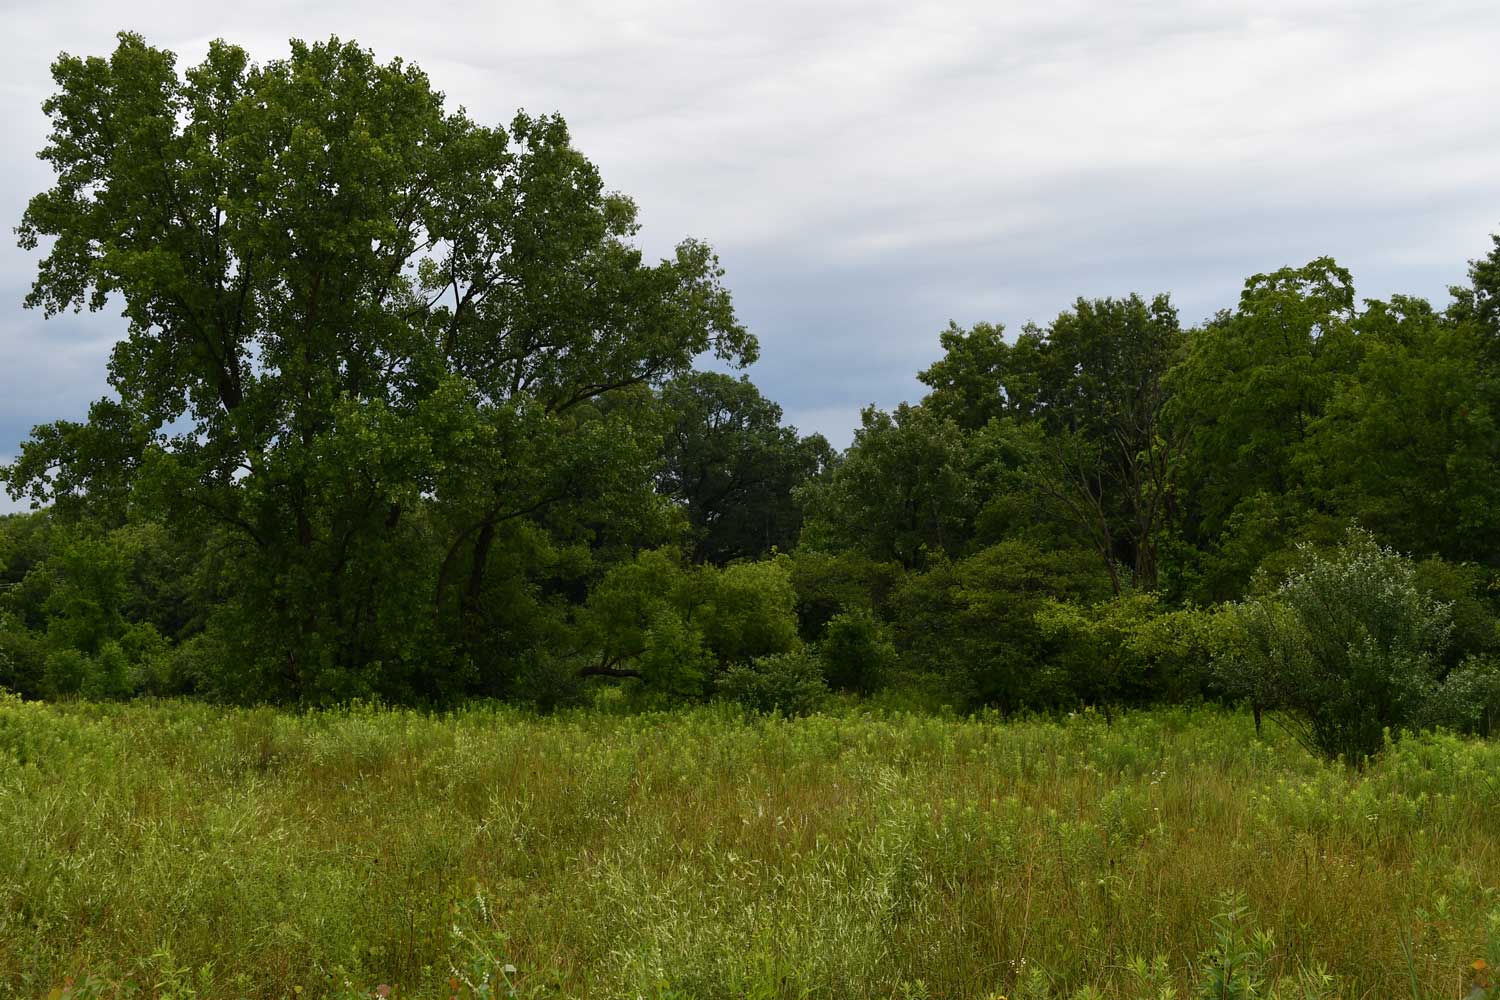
179,850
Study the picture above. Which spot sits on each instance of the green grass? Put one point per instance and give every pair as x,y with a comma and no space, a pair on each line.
179,850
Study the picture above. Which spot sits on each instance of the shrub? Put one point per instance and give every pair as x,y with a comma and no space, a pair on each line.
674,664
670,625
23,659
1469,698
1127,650
1347,649
788,683
856,654
546,682
109,673
66,672
827,584
752,610
974,620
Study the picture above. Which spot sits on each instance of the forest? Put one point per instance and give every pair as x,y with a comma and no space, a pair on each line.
401,413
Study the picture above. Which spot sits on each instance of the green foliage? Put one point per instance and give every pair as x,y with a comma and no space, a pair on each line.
973,623
67,671
419,423
786,683
675,663
752,610
1410,443
640,615
23,657
672,625
1348,648
1468,699
733,467
1129,650
1234,968
1255,380
908,488
1097,384
971,382
408,332
855,652
827,583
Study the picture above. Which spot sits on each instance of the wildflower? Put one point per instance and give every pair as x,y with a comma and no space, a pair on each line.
1479,965
382,991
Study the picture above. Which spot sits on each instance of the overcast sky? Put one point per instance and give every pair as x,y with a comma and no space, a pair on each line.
868,171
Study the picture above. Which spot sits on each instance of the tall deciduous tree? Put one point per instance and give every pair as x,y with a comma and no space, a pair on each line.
971,383
1248,393
1409,445
908,487
1095,382
363,332
732,465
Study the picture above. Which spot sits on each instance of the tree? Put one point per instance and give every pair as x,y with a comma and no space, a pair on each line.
363,334
972,621
906,488
1409,446
1478,302
1096,384
732,466
1247,396
971,381
673,626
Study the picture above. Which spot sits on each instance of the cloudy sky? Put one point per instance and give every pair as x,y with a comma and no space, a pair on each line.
869,170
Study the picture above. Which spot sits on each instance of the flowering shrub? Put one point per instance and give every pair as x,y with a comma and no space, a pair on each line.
1347,650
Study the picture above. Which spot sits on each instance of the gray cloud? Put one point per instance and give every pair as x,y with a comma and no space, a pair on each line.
868,171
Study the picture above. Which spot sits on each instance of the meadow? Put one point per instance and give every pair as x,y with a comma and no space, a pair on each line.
174,849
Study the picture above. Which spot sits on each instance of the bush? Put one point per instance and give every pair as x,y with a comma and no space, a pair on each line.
827,584
855,652
788,683
546,682
974,622
23,659
751,611
109,673
670,625
67,671
1347,650
1469,698
1128,650
674,665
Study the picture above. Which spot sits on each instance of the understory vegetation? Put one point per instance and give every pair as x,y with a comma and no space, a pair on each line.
187,851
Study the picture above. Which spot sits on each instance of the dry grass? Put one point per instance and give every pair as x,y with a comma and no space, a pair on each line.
184,851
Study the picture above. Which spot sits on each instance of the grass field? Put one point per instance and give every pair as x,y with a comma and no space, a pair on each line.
178,850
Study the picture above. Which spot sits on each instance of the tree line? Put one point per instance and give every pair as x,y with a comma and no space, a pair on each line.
401,411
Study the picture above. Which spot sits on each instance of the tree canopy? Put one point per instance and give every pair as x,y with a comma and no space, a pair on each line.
357,323
400,409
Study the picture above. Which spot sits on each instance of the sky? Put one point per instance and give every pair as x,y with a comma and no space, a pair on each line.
869,171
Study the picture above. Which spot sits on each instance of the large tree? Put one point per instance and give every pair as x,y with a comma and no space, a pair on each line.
971,383
1248,395
1097,387
1090,385
363,333
732,466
